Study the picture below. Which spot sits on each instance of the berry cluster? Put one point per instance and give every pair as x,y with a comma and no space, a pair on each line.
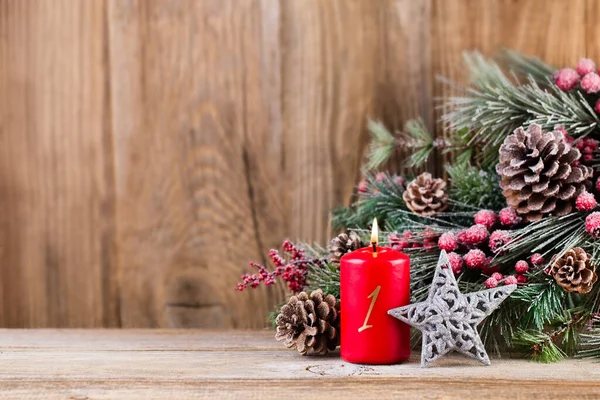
366,187
584,76
476,246
521,269
293,271
410,240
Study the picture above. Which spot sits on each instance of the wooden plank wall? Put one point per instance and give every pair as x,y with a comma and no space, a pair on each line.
150,148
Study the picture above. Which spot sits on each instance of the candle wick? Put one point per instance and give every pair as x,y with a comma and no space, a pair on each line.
374,249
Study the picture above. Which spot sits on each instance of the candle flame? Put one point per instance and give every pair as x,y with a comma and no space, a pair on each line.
375,233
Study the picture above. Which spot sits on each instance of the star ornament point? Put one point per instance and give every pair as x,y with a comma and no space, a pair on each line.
448,319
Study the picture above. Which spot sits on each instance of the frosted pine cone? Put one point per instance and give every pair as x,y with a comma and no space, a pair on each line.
309,322
573,271
343,244
426,195
540,174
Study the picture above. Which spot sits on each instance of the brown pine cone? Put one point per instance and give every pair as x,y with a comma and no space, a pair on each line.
426,195
309,322
343,244
539,173
573,271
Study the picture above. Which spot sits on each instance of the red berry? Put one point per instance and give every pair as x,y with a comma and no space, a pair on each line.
489,269
475,259
399,180
586,201
473,236
491,283
380,177
486,218
566,79
585,66
509,217
597,107
498,239
497,276
456,263
447,242
521,279
597,185
363,186
521,267
510,280
590,83
537,259
592,224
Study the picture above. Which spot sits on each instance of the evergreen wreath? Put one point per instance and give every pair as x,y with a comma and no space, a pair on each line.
520,206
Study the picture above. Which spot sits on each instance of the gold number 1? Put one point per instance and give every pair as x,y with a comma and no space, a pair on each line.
374,296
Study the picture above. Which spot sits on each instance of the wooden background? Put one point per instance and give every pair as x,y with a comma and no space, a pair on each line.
150,148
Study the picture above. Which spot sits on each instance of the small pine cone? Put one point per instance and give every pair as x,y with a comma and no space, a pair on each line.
573,271
539,173
426,195
309,322
343,244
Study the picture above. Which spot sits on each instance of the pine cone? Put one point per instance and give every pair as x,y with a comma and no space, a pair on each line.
573,271
426,195
307,322
540,174
343,244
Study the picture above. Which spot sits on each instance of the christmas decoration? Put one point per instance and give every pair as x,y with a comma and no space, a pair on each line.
538,173
343,244
372,280
522,192
426,195
573,271
448,319
585,66
566,79
309,322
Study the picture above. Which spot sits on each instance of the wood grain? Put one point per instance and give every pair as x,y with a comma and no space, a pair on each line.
57,222
197,128
330,61
221,364
150,148
405,78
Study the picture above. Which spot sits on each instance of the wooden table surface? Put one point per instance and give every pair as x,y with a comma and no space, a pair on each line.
143,364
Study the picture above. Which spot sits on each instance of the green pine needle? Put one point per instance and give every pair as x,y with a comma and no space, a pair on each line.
475,188
540,345
415,138
527,66
495,105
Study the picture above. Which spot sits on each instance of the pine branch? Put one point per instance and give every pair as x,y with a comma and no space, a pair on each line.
496,105
474,188
590,341
543,303
415,137
548,236
525,66
382,146
540,344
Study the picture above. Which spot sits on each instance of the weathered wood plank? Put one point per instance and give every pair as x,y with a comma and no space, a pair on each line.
197,143
405,80
330,53
56,183
175,364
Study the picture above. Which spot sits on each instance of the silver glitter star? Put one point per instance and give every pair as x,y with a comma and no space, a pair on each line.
448,318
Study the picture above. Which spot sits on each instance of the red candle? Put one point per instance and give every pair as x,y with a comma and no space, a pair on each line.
374,280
